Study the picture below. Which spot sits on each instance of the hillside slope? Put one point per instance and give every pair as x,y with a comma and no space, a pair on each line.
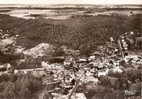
78,32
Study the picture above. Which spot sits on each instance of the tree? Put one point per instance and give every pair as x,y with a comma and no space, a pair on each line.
26,86
9,91
135,23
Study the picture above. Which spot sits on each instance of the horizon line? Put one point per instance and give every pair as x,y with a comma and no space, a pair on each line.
71,4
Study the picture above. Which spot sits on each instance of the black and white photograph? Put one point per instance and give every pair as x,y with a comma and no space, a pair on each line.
70,49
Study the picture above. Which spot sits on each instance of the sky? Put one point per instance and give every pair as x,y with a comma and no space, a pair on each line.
70,1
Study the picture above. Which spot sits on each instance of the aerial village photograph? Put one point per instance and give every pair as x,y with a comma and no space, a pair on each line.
70,49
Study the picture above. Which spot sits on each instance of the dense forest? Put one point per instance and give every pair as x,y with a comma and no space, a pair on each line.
77,32
19,86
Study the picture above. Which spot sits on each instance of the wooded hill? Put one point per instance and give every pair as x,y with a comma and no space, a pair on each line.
78,32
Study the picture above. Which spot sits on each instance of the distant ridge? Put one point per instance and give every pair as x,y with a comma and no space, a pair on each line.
71,5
